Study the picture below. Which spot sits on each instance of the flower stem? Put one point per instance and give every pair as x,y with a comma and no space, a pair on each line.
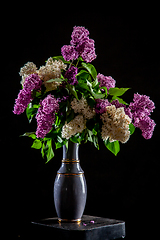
77,63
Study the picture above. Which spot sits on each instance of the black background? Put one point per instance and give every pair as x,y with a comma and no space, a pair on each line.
125,187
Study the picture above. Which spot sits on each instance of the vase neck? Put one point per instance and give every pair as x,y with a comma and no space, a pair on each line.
72,153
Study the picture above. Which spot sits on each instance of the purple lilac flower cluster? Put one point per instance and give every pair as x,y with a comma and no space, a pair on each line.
46,115
32,81
81,45
101,105
138,110
71,75
63,99
141,108
105,81
69,52
22,101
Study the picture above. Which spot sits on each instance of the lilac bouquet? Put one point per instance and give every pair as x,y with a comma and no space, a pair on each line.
70,101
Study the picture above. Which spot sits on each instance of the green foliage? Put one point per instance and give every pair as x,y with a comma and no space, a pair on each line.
49,151
61,58
31,110
117,91
131,128
72,90
91,69
37,144
29,134
56,80
114,147
88,87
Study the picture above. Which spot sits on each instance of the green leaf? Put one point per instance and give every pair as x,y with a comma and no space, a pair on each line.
75,139
91,102
91,69
117,91
31,111
58,145
95,83
80,59
70,116
61,58
59,139
49,152
43,149
60,142
95,95
37,144
90,134
106,91
55,80
131,128
114,147
120,100
83,74
95,141
83,85
98,95
52,134
94,131
72,90
29,134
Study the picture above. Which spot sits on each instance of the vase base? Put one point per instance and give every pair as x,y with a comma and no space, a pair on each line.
69,220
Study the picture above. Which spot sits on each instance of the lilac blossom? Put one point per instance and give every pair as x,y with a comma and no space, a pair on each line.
101,105
63,99
105,81
89,54
69,52
147,126
71,75
81,45
31,82
22,101
141,108
127,110
79,34
46,115
92,222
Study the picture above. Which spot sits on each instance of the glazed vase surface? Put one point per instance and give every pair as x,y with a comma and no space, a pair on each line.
70,189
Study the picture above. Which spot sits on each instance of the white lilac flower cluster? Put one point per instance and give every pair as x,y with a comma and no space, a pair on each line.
81,106
51,70
29,68
77,125
115,124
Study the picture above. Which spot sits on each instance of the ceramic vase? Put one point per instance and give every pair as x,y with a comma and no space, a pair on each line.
70,189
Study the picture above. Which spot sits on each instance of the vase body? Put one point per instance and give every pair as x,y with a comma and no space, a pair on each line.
70,189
